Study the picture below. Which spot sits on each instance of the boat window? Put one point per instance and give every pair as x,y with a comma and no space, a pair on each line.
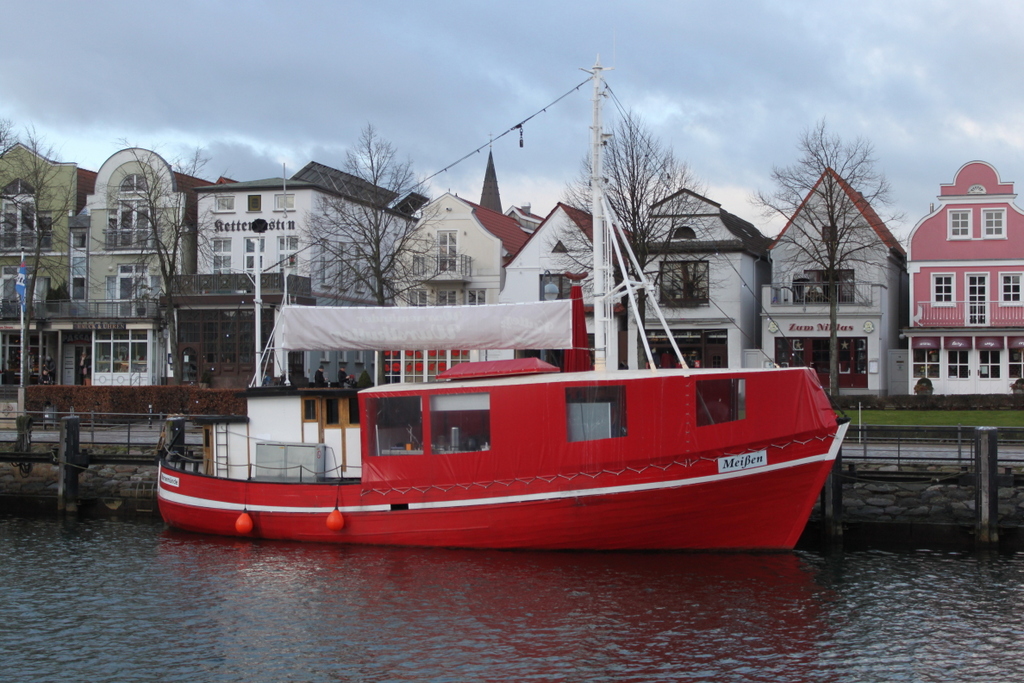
397,425
595,412
331,408
460,423
353,410
309,409
721,400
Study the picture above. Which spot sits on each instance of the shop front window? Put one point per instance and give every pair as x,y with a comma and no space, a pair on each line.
926,363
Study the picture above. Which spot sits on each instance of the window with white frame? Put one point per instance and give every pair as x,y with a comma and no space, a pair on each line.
129,283
224,202
254,248
447,250
320,259
957,364
926,363
19,220
942,289
1016,365
994,219
122,351
447,297
10,277
476,297
960,224
286,252
418,297
221,256
128,222
988,364
284,202
79,271
1011,288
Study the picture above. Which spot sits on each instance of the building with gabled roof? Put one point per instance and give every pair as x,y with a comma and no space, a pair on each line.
966,272
870,295
706,271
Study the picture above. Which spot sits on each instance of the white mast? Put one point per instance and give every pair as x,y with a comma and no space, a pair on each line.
602,314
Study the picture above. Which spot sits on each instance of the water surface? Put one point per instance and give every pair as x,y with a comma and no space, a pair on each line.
104,600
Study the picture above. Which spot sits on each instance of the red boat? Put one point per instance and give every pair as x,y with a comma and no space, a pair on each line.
513,454
681,459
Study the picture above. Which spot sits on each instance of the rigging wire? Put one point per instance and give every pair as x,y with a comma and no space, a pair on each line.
518,126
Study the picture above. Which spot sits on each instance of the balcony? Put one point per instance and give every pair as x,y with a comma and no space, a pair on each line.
82,310
860,297
967,314
239,283
434,268
116,240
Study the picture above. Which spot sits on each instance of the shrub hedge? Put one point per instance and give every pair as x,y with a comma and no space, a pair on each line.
933,402
178,400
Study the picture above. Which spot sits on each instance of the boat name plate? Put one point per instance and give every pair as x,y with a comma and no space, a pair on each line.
743,462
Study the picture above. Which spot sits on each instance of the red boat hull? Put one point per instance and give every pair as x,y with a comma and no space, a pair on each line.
760,509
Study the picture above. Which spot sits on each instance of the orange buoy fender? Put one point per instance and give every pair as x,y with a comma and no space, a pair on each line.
243,524
335,520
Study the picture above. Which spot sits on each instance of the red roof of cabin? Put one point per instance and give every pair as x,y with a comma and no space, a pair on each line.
495,368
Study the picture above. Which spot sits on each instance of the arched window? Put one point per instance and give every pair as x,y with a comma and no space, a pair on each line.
18,187
684,232
134,182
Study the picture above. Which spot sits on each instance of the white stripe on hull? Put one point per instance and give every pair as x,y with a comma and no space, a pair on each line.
182,499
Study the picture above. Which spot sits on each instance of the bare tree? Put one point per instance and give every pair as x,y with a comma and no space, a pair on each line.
641,172
364,229
7,137
38,194
827,198
153,209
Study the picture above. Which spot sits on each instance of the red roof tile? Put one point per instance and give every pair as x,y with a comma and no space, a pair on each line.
876,223
505,228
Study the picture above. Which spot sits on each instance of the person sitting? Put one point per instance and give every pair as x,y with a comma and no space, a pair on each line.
318,378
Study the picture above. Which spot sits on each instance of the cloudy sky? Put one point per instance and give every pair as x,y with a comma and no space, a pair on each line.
730,86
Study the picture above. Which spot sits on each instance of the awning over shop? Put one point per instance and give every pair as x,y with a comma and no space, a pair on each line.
924,343
1015,342
988,342
958,342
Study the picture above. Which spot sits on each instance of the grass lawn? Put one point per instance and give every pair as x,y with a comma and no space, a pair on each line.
968,418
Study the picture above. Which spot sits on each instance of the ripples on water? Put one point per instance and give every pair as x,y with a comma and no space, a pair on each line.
128,601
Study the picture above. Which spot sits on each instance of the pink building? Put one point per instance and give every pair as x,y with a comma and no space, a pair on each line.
966,266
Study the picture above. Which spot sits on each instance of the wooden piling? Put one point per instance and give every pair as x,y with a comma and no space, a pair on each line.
69,460
986,488
832,505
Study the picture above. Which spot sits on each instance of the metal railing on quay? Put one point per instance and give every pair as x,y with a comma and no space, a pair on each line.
921,445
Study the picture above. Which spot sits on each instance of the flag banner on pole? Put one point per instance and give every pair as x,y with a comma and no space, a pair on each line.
19,284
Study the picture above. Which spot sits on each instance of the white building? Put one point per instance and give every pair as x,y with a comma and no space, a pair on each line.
707,273
295,262
871,296
466,249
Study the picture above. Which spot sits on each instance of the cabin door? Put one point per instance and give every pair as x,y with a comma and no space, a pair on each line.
327,420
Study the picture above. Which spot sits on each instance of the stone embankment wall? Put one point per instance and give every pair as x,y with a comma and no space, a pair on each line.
941,500
112,485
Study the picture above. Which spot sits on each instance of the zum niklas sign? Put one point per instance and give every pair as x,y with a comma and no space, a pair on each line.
819,327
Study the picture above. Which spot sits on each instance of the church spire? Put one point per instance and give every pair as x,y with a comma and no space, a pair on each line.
490,198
